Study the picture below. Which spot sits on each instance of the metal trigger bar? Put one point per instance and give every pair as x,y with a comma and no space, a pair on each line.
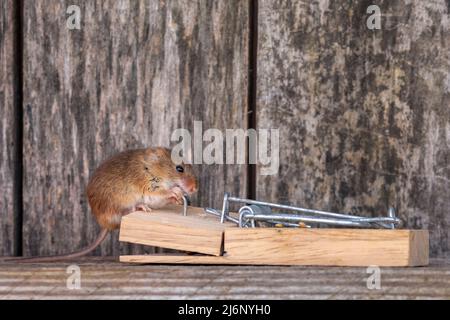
254,211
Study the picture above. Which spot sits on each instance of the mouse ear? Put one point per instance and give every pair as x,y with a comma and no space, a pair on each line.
156,154
162,152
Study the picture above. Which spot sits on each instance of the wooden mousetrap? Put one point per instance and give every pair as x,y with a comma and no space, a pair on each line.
257,236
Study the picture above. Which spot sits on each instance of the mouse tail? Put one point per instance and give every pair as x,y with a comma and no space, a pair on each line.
69,256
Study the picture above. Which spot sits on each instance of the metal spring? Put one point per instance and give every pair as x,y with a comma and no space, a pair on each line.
254,211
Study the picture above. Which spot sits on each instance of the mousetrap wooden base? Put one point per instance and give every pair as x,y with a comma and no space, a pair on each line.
216,243
168,228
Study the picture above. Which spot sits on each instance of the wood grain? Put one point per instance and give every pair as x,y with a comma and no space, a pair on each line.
332,247
175,259
363,114
169,228
8,143
319,247
134,72
104,279
419,248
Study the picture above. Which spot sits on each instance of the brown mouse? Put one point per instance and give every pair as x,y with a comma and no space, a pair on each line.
134,180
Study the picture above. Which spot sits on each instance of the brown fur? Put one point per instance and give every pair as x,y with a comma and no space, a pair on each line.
141,179
123,182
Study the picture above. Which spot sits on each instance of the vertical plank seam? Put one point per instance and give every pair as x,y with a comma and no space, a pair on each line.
252,86
18,119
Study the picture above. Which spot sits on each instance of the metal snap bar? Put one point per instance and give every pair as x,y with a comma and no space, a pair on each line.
219,214
254,211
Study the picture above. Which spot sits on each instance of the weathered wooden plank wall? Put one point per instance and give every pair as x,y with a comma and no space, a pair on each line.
363,114
134,72
8,130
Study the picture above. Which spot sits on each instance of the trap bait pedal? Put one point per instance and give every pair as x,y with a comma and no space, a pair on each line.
253,236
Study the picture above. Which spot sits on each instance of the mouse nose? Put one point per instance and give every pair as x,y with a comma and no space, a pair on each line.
192,188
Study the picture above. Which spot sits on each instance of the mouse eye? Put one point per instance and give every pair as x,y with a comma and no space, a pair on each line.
180,169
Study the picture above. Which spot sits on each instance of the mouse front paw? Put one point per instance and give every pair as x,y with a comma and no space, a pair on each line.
176,196
143,207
